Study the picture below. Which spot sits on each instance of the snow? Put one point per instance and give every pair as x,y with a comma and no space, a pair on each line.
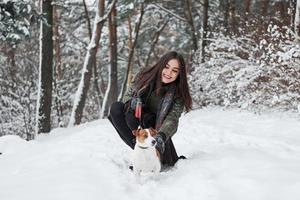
232,155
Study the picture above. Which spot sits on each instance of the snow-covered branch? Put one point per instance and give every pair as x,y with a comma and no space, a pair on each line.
169,12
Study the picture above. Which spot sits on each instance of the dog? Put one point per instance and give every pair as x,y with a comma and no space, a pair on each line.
146,159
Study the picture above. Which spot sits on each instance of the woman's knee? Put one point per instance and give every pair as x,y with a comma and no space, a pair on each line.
132,121
116,109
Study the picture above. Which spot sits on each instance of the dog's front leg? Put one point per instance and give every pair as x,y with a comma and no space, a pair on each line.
137,175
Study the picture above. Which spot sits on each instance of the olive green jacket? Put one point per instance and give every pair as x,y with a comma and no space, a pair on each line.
171,120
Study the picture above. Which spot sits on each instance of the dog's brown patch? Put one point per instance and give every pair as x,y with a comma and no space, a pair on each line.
158,154
141,135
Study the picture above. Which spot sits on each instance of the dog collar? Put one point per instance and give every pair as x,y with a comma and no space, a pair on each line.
142,147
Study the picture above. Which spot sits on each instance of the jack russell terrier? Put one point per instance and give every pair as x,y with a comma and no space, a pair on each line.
146,159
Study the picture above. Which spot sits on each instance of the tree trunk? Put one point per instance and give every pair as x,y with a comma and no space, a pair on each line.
297,20
247,9
292,7
94,67
284,12
12,62
132,46
57,66
264,7
56,43
155,40
232,16
98,89
128,72
247,6
189,17
111,93
87,19
263,13
44,100
89,61
226,15
205,28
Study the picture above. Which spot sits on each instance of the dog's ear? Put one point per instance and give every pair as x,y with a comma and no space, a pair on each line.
152,131
135,132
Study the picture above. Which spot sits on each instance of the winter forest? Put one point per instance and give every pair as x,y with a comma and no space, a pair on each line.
63,63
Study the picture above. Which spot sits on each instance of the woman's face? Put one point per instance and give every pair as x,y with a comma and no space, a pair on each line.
170,71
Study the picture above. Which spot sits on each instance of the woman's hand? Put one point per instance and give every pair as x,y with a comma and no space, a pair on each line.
133,103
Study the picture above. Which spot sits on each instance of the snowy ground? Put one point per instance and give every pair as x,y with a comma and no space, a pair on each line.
232,155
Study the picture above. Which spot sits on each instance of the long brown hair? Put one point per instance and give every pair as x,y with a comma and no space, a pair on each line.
153,74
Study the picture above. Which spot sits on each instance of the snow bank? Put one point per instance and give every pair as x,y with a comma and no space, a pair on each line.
232,155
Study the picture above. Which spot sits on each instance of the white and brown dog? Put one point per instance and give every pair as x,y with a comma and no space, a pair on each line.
146,159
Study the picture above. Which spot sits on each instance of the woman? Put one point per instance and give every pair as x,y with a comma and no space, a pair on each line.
161,93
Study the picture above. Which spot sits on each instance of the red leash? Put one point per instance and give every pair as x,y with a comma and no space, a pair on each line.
138,109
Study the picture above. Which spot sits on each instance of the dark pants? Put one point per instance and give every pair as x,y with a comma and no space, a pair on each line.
125,121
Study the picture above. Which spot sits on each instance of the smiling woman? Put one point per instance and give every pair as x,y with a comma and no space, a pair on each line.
170,71
156,98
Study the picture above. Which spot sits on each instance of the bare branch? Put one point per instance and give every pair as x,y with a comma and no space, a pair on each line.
170,12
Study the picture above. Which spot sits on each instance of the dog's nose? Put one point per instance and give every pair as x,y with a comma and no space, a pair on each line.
153,142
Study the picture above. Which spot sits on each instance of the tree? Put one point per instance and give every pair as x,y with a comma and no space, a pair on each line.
111,93
297,20
225,5
190,19
88,18
232,16
90,60
155,38
132,46
264,8
44,102
205,29
15,20
57,66
99,92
